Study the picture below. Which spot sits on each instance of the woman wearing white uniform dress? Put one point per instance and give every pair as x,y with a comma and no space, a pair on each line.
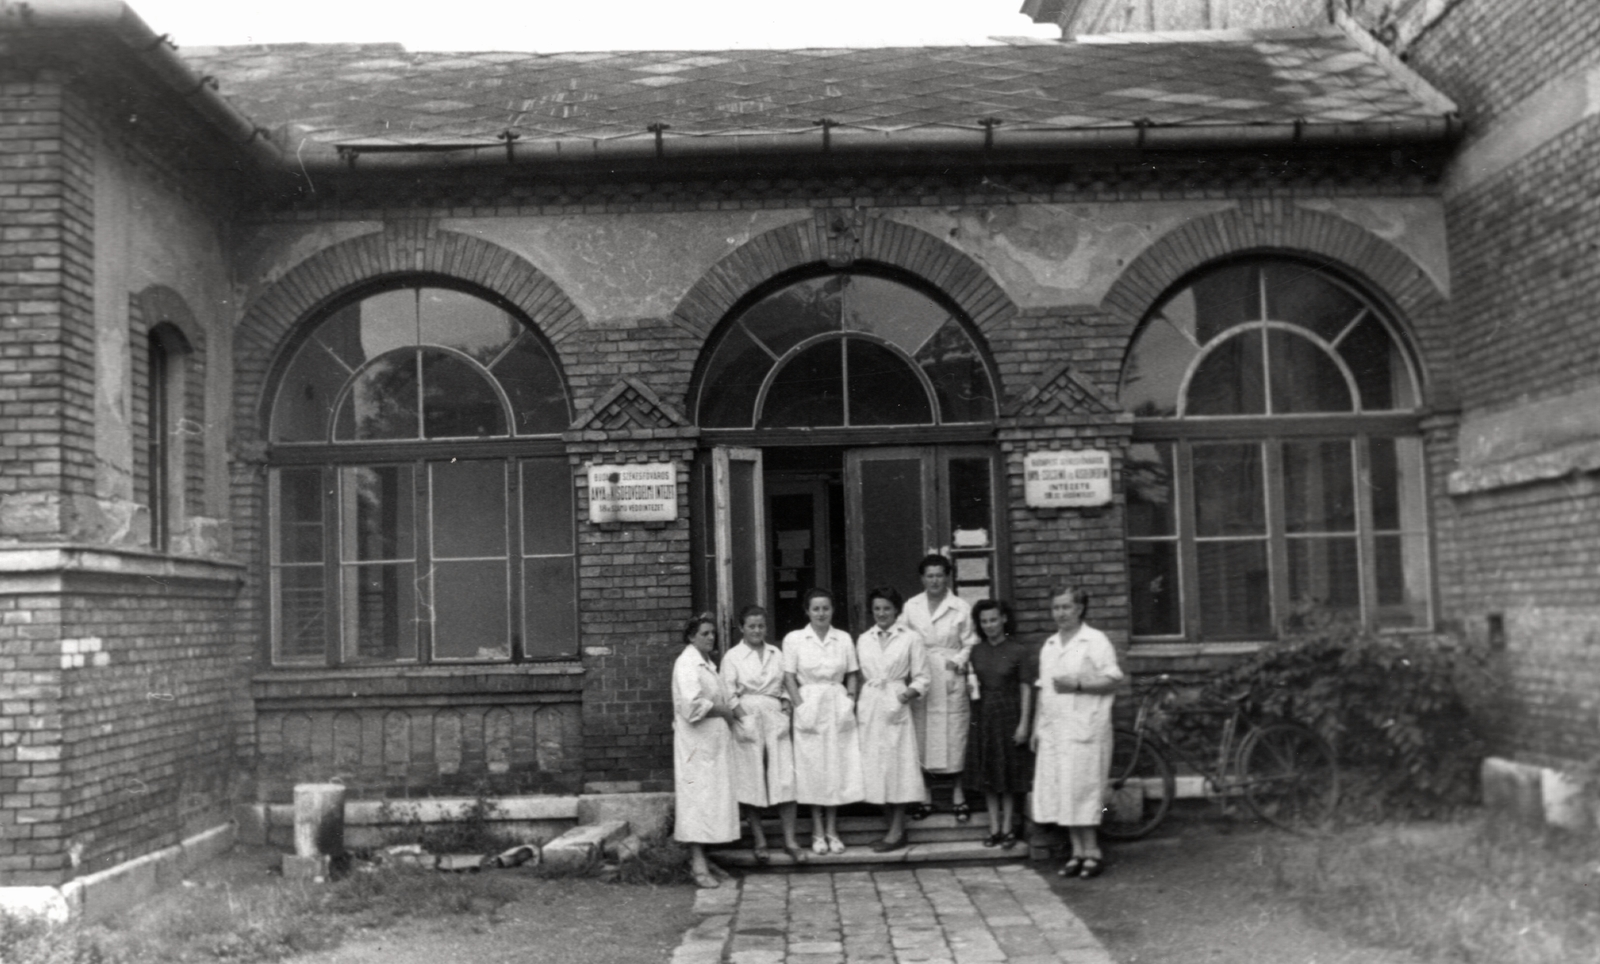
1078,677
944,621
820,669
705,808
894,672
763,753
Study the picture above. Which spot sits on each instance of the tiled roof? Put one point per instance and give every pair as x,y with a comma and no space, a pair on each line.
317,96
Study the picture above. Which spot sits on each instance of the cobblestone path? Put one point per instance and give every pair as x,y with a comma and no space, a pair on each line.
963,915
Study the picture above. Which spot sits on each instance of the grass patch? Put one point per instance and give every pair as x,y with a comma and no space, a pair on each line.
1463,891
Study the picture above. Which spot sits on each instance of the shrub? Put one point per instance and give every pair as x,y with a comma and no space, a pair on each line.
30,939
1398,709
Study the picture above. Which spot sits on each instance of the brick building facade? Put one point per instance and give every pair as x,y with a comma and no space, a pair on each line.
299,415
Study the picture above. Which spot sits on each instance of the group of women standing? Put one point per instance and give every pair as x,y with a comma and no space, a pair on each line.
827,722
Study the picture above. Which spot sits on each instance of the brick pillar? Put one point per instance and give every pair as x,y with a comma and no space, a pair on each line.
633,598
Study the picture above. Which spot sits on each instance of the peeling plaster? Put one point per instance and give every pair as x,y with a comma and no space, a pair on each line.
618,268
1049,255
1414,225
266,253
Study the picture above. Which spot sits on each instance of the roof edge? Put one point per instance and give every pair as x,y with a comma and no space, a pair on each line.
157,53
1386,58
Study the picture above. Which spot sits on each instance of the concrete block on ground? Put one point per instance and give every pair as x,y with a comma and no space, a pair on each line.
600,835
1564,803
1513,790
296,867
649,814
458,863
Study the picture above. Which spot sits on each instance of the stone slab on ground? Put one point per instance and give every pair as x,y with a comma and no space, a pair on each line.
583,845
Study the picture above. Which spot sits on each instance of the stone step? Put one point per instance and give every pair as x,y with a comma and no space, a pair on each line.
861,856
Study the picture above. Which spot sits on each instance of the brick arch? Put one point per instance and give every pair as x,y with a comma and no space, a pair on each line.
399,249
1279,226
840,237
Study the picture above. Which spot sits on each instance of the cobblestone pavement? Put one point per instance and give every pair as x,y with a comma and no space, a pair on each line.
963,915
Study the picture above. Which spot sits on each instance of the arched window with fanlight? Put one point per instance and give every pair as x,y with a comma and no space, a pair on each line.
420,500
1277,458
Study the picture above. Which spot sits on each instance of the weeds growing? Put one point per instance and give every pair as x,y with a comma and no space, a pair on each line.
1464,892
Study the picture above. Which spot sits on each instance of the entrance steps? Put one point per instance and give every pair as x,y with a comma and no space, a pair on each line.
938,838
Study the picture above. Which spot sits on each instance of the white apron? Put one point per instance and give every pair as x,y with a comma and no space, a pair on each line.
891,664
1069,777
827,754
763,753
943,715
702,773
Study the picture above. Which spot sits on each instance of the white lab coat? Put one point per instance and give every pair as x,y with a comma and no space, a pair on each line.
763,752
702,773
943,716
827,751
892,663
1074,759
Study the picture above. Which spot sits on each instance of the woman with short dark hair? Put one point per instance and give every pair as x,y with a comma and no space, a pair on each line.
999,764
944,621
705,809
763,752
822,675
894,672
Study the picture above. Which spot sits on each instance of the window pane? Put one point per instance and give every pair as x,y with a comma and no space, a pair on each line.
1154,586
1304,378
785,318
1303,295
457,399
547,512
733,381
1230,381
1228,493
470,325
299,515
899,315
809,390
469,509
388,321
971,502
550,601
891,496
380,611
1398,497
340,335
1319,487
1147,481
1224,298
959,379
379,512
883,388
1235,590
1325,571
470,610
1155,368
1402,565
306,395
302,612
533,383
382,403
1380,372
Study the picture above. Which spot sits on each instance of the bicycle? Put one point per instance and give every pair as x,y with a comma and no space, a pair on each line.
1284,771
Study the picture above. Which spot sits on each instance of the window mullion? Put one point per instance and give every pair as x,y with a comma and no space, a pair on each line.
514,559
423,574
1366,541
1188,555
333,566
1277,545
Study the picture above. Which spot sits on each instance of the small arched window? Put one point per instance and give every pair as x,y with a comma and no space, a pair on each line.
845,350
422,506
1277,459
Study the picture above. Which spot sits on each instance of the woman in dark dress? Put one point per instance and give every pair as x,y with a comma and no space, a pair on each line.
999,764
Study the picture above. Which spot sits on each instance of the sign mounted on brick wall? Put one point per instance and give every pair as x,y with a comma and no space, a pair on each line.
639,492
1067,480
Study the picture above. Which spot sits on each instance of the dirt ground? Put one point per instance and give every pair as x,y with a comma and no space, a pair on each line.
1202,890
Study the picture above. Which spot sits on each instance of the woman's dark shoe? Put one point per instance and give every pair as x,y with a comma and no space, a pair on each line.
1008,840
919,811
1092,867
884,846
796,854
993,840
963,812
1072,868
762,856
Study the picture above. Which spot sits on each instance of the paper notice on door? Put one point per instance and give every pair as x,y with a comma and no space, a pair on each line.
972,569
971,538
794,539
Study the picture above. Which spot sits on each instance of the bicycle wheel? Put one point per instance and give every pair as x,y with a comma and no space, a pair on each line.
1140,790
1289,777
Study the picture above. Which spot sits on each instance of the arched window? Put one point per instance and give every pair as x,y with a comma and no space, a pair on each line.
1277,457
421,502
845,350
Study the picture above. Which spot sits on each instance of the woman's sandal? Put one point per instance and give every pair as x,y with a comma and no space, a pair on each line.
704,879
919,811
1092,867
1072,868
762,855
1008,840
796,854
994,839
963,811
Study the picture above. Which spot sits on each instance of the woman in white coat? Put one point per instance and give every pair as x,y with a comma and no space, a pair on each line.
894,672
705,808
820,670
1078,677
763,753
944,621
